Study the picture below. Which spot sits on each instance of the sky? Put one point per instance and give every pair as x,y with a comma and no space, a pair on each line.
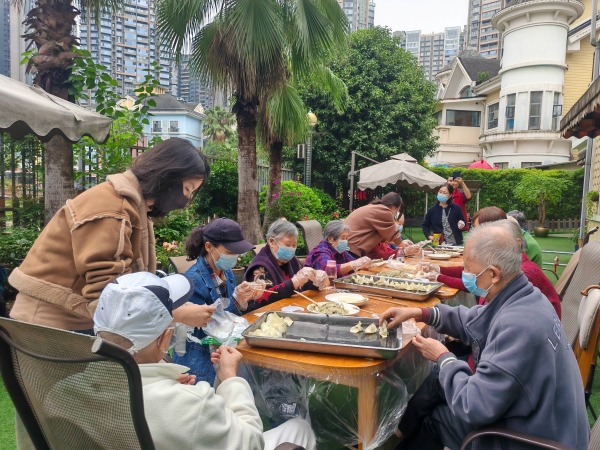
425,15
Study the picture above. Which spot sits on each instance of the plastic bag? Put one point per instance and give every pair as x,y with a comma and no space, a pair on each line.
225,327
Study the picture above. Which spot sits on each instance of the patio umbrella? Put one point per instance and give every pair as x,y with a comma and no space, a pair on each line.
403,170
28,109
481,164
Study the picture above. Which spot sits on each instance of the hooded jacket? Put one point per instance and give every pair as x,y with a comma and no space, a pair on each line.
527,377
96,237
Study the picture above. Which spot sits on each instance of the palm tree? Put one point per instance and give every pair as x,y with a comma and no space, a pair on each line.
218,124
284,121
249,48
50,27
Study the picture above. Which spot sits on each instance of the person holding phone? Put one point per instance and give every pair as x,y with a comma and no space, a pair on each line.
461,195
444,218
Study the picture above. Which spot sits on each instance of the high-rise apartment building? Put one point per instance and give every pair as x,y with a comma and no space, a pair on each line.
5,38
124,42
191,89
481,35
434,51
360,13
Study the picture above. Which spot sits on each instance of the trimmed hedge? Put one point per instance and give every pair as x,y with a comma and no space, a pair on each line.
497,189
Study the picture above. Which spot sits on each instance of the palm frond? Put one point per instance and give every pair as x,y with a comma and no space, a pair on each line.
179,22
283,118
335,88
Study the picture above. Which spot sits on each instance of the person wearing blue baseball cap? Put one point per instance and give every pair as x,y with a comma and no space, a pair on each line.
216,248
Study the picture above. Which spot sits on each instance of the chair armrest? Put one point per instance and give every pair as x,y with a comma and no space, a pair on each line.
288,446
513,435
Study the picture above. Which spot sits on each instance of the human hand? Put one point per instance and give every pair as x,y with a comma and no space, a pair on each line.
395,316
412,250
431,349
430,237
302,276
461,224
407,243
320,279
359,263
228,359
432,276
186,378
194,315
459,180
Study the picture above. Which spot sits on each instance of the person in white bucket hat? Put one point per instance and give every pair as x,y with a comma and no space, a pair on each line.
135,312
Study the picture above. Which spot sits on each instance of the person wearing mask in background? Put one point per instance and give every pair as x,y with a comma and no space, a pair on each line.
532,249
524,375
444,218
104,233
276,264
216,248
375,224
334,246
461,195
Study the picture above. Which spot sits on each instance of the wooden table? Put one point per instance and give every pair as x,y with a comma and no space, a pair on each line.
345,370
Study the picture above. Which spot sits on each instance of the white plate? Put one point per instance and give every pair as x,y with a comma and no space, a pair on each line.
440,257
345,297
291,309
352,309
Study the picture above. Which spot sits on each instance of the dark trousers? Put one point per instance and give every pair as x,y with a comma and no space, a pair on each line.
428,423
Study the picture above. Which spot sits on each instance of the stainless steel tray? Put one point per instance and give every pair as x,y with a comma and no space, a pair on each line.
328,334
346,283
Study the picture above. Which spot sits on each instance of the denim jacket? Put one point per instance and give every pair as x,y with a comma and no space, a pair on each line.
197,356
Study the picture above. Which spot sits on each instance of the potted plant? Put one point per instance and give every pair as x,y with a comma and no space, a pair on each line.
242,264
540,188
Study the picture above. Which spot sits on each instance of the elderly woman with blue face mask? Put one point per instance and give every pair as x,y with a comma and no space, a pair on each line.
216,248
334,247
276,264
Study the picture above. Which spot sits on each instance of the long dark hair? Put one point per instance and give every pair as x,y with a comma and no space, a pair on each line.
167,165
450,191
391,199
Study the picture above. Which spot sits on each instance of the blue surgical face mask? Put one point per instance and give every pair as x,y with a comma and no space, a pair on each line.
284,253
470,282
225,262
400,228
442,198
342,246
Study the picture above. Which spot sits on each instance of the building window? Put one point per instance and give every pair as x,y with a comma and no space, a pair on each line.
501,165
463,118
524,165
493,116
535,110
156,126
174,126
556,111
511,100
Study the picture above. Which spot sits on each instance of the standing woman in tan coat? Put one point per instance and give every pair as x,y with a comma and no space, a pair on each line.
104,233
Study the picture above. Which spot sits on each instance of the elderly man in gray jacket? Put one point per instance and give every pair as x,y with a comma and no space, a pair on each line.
526,376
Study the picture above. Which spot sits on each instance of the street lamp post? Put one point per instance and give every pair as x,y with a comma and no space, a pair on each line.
312,122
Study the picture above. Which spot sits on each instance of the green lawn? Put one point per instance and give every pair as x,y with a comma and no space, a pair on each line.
7,416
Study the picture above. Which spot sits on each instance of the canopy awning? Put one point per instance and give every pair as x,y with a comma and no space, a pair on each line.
583,119
402,170
28,109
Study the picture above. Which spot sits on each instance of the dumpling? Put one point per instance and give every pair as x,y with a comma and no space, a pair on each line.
371,329
383,331
288,321
356,328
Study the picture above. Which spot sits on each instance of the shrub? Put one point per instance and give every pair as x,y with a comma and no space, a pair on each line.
295,202
176,226
15,244
219,195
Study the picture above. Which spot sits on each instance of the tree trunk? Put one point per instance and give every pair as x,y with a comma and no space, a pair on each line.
542,210
58,175
248,213
274,186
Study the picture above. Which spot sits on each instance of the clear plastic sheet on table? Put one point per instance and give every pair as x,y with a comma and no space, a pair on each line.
330,406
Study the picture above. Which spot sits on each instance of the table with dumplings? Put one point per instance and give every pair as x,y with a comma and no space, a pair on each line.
375,384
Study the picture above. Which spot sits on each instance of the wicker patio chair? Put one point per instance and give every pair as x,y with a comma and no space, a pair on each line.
71,390
258,248
312,232
595,437
180,263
